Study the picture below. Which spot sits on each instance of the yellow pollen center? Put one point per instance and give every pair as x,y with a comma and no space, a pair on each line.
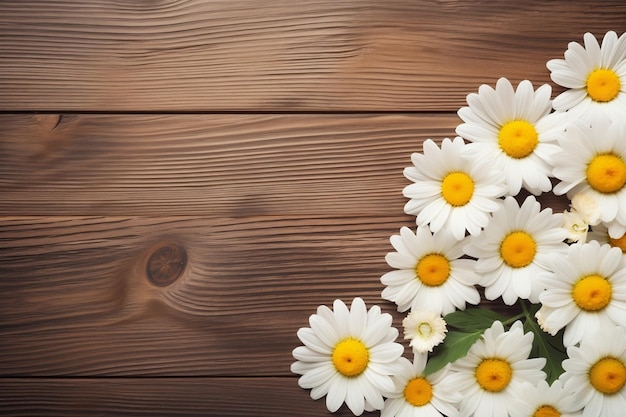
433,269
620,242
546,411
592,293
518,249
606,173
494,374
603,85
418,392
608,375
518,139
350,357
457,188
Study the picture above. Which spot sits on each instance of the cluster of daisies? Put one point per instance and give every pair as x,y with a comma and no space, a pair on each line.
563,352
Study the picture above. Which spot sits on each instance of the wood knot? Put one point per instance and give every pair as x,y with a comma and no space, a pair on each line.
166,264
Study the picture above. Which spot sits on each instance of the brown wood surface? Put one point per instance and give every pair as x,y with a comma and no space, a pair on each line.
215,165
183,182
175,55
80,285
160,397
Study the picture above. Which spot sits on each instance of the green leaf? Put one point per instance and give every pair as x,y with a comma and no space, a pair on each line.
455,346
473,319
549,347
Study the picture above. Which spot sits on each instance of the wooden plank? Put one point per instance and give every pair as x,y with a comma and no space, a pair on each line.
219,165
81,301
246,55
81,298
215,165
219,397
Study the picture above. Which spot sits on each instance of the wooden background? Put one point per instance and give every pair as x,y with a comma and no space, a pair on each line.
183,182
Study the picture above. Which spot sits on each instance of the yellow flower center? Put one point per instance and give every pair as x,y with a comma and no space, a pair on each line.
592,293
608,375
546,411
350,357
603,84
620,242
433,269
494,374
457,188
606,173
518,139
418,392
518,249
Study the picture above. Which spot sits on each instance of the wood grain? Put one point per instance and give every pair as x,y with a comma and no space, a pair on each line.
130,397
217,165
211,165
78,301
246,55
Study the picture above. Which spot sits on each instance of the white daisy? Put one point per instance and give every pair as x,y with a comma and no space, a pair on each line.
588,289
348,355
596,372
543,400
583,212
514,249
425,330
419,395
515,131
430,273
595,77
593,162
494,371
450,191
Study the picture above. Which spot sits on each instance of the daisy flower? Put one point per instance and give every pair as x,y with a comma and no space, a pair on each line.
595,76
494,371
450,191
583,212
593,162
430,274
543,400
418,395
588,289
515,131
513,251
596,373
425,330
348,355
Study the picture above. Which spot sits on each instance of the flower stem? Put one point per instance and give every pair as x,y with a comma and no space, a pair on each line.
511,320
526,312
